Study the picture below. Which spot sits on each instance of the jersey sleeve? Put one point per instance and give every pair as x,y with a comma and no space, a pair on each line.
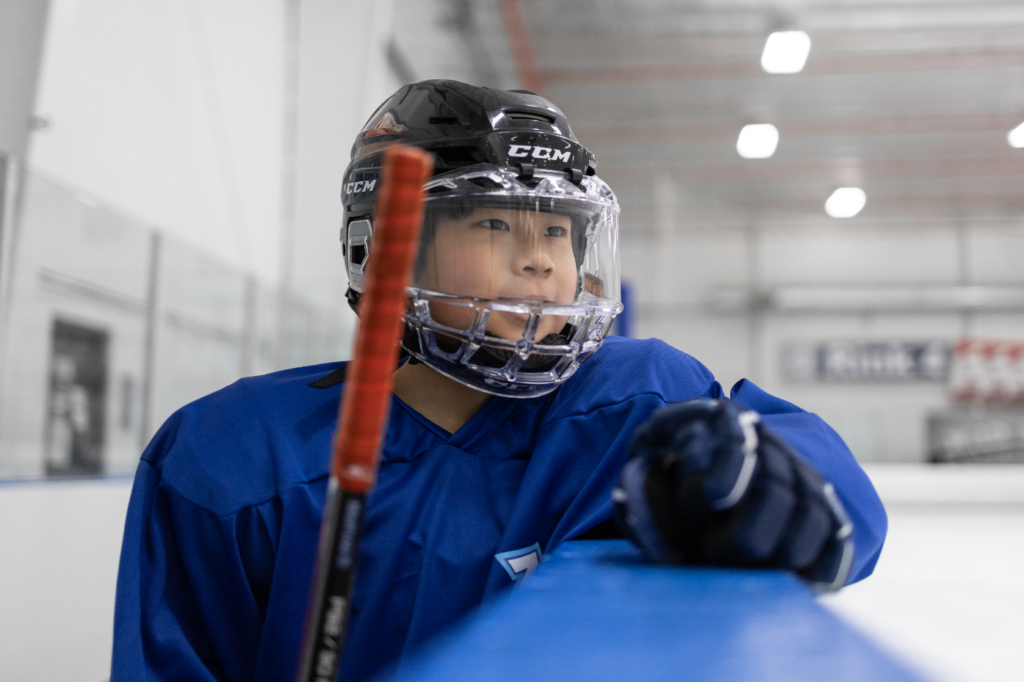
192,585
821,446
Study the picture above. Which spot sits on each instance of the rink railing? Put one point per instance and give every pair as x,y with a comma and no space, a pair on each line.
594,610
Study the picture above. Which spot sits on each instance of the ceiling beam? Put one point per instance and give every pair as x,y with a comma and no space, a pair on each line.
816,66
683,131
772,173
519,45
562,49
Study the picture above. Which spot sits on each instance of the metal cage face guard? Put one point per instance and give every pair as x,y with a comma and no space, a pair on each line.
536,340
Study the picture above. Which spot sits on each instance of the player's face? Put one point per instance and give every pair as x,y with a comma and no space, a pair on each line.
502,254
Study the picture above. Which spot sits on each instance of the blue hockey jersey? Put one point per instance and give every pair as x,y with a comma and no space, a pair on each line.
221,533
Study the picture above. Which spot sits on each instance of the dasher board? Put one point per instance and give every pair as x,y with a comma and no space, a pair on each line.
595,610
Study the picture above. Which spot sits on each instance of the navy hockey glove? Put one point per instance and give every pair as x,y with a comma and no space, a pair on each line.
707,483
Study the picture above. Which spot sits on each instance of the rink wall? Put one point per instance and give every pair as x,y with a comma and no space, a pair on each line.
596,610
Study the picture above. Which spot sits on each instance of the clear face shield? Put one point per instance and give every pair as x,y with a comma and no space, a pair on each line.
516,281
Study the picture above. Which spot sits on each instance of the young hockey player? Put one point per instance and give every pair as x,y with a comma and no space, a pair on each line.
509,433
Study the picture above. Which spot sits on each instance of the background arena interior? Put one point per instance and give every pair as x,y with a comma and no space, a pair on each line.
169,180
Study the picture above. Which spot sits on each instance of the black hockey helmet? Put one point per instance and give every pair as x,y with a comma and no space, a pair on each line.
461,125
513,330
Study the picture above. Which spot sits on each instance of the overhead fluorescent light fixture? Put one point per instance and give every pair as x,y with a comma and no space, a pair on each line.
786,52
1016,137
846,202
757,141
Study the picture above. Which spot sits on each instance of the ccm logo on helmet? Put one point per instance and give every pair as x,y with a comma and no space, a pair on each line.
360,186
523,150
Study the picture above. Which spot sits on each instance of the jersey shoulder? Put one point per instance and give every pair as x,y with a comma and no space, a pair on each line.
625,368
241,445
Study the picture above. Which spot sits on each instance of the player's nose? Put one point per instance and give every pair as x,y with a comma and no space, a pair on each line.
532,259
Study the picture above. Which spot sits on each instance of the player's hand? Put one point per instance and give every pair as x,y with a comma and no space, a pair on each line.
707,483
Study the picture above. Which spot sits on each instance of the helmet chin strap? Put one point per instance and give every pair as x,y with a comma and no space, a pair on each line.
352,296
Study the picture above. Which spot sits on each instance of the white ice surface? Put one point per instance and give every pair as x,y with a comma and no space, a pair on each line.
59,548
947,595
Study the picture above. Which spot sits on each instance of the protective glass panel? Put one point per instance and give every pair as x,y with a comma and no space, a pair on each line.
108,326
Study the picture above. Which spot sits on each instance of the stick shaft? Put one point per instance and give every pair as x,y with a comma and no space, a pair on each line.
364,409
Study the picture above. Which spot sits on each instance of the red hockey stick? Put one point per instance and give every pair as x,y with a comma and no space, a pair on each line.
364,409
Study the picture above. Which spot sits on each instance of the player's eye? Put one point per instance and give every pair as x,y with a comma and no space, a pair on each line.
494,224
556,231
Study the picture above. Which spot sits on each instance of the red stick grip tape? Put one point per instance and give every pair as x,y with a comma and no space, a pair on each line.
368,379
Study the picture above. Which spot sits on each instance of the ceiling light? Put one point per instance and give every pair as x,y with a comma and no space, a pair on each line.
1016,137
845,202
786,52
757,141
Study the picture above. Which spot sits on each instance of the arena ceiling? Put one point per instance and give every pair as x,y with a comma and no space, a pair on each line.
911,100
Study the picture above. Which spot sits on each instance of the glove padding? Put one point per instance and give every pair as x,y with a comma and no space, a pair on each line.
707,483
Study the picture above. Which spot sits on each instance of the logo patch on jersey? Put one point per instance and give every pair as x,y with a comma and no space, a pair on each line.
521,151
518,562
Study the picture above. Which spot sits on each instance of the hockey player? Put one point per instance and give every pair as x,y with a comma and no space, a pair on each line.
510,430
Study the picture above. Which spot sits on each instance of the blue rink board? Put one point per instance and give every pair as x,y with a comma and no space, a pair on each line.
595,611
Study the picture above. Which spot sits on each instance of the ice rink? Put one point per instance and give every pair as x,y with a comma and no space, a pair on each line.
945,597
824,198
